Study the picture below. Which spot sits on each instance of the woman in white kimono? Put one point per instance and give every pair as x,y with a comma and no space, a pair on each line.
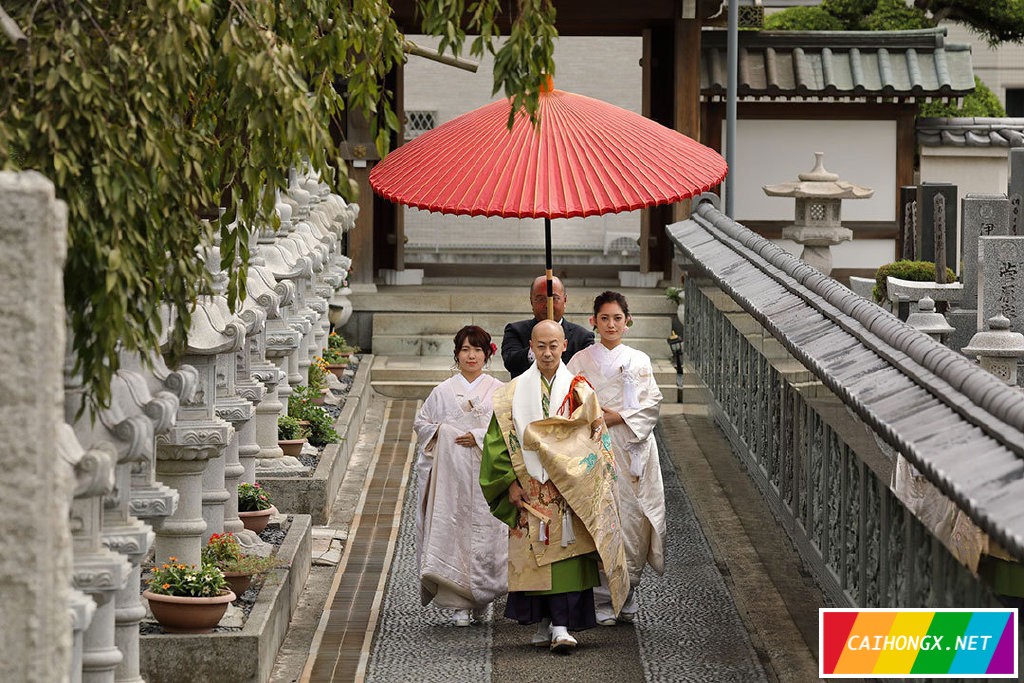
629,395
461,548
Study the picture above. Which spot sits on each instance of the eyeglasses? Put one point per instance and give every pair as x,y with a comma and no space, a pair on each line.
543,299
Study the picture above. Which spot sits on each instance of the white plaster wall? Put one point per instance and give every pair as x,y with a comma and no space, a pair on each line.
606,68
772,151
971,169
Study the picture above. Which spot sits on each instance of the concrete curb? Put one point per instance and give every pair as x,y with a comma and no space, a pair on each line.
313,495
238,656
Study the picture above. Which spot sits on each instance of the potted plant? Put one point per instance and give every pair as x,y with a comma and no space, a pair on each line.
675,295
321,424
186,599
317,380
224,552
338,354
290,436
254,506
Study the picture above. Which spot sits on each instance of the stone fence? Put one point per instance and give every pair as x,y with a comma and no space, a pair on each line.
87,500
894,463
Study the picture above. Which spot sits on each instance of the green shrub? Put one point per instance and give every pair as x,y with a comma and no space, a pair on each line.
802,19
980,103
894,15
850,12
918,271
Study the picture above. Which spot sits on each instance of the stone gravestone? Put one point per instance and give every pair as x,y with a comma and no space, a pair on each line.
908,222
982,215
941,197
1015,190
1001,281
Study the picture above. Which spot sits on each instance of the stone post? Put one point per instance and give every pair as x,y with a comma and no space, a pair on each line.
198,436
935,214
1015,191
128,424
1001,281
35,549
908,221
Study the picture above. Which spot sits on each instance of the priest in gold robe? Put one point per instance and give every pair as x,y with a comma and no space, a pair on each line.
547,471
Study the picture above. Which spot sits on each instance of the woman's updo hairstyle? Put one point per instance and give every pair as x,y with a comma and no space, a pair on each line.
610,297
476,336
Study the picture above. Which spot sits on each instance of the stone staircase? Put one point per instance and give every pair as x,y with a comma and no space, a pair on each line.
411,329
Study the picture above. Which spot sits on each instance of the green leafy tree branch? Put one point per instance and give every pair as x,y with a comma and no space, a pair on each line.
150,114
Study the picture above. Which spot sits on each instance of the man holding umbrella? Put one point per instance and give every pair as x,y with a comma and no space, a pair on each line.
515,345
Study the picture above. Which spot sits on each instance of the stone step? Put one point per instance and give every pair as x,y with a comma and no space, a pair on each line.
449,323
484,299
441,345
416,376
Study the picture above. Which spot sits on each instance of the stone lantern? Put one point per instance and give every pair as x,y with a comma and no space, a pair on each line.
817,223
926,320
998,349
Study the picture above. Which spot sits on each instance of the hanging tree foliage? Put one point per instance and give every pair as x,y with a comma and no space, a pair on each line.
997,21
149,114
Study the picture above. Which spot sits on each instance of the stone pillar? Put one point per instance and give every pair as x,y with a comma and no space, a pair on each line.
128,424
936,210
198,436
36,487
1015,191
269,364
98,572
908,222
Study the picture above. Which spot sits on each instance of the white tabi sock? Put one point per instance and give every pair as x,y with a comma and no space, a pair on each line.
559,631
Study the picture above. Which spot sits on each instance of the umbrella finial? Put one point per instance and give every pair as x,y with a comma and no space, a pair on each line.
547,83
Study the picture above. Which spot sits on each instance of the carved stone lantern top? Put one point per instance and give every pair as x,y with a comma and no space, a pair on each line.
927,320
998,341
819,183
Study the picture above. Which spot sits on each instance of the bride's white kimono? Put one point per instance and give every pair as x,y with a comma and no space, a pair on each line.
624,381
462,549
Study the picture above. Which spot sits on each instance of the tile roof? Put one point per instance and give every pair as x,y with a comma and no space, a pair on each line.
839,64
889,374
971,132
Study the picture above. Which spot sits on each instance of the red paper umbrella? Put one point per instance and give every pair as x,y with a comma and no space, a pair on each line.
586,158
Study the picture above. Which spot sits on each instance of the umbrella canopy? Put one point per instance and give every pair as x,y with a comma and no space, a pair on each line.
587,158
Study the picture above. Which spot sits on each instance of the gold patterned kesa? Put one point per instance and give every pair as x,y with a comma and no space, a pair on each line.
581,465
586,467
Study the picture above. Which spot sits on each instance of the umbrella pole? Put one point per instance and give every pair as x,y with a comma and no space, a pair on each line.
547,266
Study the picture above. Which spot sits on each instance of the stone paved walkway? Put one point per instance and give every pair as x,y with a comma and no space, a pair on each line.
699,622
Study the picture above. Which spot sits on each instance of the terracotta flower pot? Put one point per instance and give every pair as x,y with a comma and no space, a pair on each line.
188,615
257,520
239,582
291,447
337,369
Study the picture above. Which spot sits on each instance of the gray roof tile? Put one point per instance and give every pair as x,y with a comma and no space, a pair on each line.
959,425
839,64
